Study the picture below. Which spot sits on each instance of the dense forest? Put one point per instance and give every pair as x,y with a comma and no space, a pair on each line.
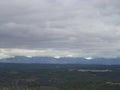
59,77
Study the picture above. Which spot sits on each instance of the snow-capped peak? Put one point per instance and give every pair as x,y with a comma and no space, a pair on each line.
88,58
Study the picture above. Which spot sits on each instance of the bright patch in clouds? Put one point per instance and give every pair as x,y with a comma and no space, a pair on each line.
57,57
69,56
6,53
3,56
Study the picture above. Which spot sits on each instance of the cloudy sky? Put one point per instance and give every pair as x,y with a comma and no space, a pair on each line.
79,28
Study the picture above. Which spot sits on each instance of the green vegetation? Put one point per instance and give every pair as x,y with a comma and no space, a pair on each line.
59,77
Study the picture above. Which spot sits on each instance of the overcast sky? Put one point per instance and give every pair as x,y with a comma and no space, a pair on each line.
84,28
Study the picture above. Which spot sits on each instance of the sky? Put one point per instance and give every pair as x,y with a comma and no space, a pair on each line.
68,28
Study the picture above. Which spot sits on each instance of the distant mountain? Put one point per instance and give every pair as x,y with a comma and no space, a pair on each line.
62,60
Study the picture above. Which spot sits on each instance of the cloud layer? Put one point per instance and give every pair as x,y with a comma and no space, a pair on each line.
79,27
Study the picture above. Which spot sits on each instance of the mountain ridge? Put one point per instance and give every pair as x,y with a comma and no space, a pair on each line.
62,60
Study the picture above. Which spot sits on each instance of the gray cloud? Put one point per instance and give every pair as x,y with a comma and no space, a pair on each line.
82,27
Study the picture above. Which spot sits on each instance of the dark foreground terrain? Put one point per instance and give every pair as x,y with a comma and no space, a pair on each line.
59,77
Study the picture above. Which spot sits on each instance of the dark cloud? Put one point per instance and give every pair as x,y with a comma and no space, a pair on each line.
82,27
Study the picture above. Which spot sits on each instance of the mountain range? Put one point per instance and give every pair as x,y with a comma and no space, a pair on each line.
62,60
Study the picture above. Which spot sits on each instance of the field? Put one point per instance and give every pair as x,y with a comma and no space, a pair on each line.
59,77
